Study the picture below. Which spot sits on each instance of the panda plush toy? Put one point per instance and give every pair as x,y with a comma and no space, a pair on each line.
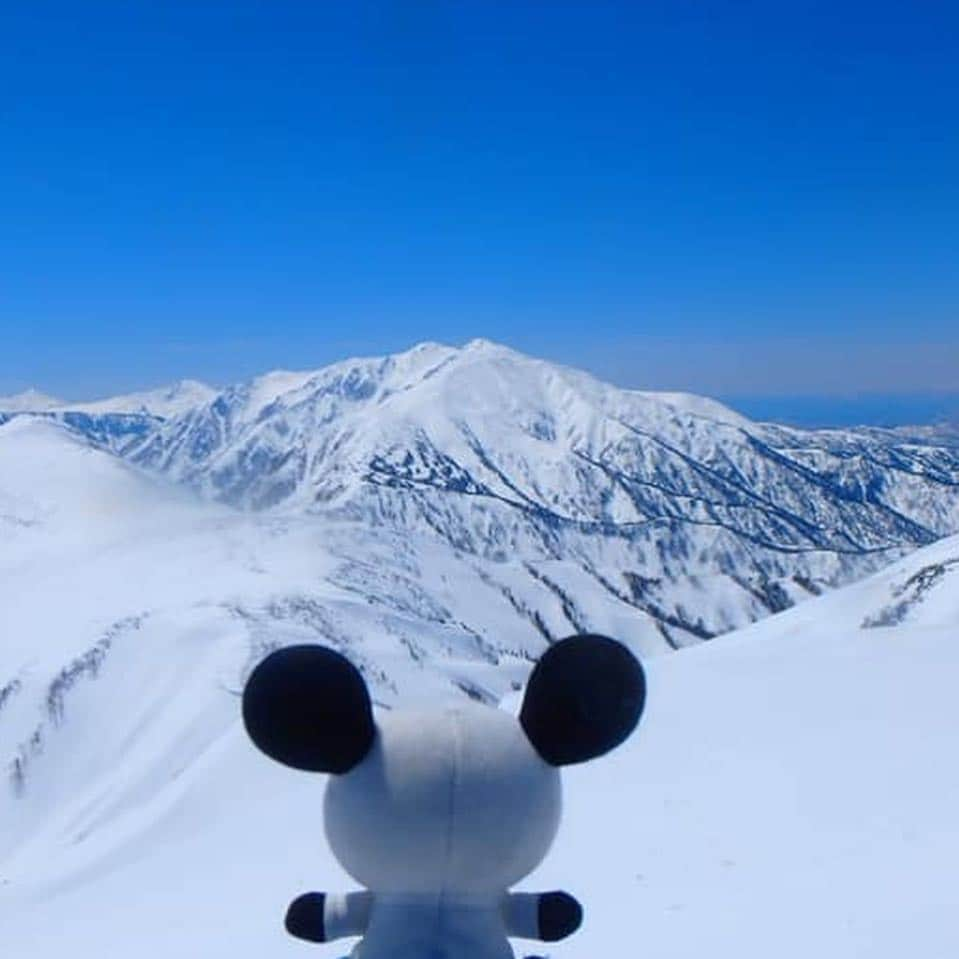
438,812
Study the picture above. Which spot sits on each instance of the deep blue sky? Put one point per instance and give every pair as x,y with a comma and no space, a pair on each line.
729,198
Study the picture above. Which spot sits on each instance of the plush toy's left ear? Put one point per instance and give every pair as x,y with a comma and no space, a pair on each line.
308,707
584,697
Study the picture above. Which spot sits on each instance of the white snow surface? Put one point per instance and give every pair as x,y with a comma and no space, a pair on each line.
791,791
553,482
163,402
668,503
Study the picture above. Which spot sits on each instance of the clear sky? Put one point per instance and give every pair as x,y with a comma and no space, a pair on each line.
724,197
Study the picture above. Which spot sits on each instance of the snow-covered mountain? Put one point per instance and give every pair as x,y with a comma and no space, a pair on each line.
162,403
103,564
507,457
670,506
112,423
29,401
440,516
789,791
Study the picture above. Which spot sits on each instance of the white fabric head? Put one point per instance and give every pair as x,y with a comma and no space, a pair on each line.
445,801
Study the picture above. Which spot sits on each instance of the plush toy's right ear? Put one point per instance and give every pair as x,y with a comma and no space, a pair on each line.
308,707
584,697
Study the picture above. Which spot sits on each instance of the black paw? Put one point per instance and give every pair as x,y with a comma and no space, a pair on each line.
304,918
560,915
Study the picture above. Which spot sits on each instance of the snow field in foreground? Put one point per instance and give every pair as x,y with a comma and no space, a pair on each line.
785,795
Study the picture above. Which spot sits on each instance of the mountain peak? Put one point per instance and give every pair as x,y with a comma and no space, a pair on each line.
163,401
29,401
481,344
570,487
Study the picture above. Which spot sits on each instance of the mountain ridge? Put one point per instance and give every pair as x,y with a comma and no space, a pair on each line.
479,520
514,459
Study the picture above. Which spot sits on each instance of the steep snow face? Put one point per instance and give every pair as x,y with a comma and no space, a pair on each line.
116,423
789,792
919,592
670,503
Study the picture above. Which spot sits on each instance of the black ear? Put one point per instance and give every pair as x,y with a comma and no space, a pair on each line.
584,697
308,707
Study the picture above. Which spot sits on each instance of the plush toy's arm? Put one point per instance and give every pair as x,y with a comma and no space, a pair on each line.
318,917
547,916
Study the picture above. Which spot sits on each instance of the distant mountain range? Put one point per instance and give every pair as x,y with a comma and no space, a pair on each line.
669,505
441,516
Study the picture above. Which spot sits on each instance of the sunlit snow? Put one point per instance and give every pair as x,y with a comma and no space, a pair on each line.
791,790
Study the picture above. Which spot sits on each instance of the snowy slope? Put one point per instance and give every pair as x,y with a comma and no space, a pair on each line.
104,571
160,403
919,592
58,491
441,515
115,423
787,792
669,503
163,402
790,793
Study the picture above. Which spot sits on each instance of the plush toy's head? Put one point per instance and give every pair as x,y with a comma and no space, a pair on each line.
463,799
